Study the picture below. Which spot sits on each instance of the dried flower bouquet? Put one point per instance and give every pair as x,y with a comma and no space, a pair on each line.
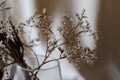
12,48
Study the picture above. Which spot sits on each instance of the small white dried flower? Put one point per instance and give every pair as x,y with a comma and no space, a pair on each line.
88,56
1,44
44,11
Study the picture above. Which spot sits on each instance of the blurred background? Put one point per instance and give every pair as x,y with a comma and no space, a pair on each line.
104,17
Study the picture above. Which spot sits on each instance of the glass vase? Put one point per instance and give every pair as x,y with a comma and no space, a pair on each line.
49,71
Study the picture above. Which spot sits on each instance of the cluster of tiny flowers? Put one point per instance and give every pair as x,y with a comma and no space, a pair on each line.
6,27
32,22
80,54
42,22
76,53
72,36
88,56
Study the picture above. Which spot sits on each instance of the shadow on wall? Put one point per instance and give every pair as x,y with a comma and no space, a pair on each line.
54,5
50,5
